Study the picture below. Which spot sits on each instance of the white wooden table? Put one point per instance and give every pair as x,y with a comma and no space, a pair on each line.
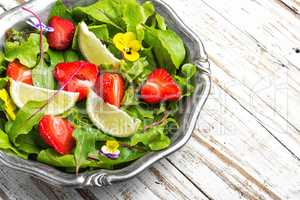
247,141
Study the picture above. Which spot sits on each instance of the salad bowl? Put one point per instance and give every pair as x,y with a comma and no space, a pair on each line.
190,108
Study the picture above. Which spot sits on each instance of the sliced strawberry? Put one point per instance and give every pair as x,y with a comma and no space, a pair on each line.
57,133
84,78
159,87
62,36
110,86
19,72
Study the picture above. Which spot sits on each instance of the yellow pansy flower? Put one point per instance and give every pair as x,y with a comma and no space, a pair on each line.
8,104
128,44
112,145
110,149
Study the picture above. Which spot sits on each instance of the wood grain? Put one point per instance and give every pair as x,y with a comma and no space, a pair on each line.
247,141
294,5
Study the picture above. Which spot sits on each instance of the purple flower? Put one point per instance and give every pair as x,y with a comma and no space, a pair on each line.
34,22
110,149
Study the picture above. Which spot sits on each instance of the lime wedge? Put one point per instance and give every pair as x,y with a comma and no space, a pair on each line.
21,93
93,49
109,118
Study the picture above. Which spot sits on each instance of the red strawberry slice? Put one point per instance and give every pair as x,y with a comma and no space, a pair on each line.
85,76
19,72
62,36
57,133
159,87
110,86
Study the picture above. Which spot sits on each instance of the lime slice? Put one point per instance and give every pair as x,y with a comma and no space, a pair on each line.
93,49
21,93
109,118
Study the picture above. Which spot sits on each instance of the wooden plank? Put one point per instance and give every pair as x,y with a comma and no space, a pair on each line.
294,5
17,185
161,181
251,57
249,161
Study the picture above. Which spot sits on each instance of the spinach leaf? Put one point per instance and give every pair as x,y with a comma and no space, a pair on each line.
27,143
134,70
42,76
50,157
153,138
59,9
189,70
27,117
26,51
55,57
6,145
101,32
147,53
101,11
130,98
134,15
185,82
160,22
3,82
126,155
71,56
86,143
167,45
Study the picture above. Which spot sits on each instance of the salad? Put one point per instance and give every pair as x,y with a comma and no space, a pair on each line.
94,87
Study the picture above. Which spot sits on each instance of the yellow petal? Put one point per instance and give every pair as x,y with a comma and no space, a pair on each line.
118,41
135,45
112,145
9,105
132,56
129,36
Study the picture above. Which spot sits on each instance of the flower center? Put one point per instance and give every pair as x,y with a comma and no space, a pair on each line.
127,50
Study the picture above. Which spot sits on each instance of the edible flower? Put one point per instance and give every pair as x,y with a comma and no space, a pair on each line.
128,44
9,106
110,149
34,22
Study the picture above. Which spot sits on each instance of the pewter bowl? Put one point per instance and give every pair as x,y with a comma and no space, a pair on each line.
190,108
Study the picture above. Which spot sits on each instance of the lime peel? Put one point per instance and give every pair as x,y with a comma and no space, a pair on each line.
93,49
21,93
109,118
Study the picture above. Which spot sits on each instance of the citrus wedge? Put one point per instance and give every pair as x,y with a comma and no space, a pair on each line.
21,93
109,118
93,49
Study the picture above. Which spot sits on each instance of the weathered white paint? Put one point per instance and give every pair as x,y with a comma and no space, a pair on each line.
247,139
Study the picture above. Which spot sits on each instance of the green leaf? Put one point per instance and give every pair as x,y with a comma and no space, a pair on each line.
126,155
55,57
137,71
154,138
3,82
59,9
102,11
50,157
148,54
189,70
160,22
27,143
42,76
148,9
6,145
75,39
130,97
185,82
27,117
27,51
101,32
86,143
71,56
167,45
